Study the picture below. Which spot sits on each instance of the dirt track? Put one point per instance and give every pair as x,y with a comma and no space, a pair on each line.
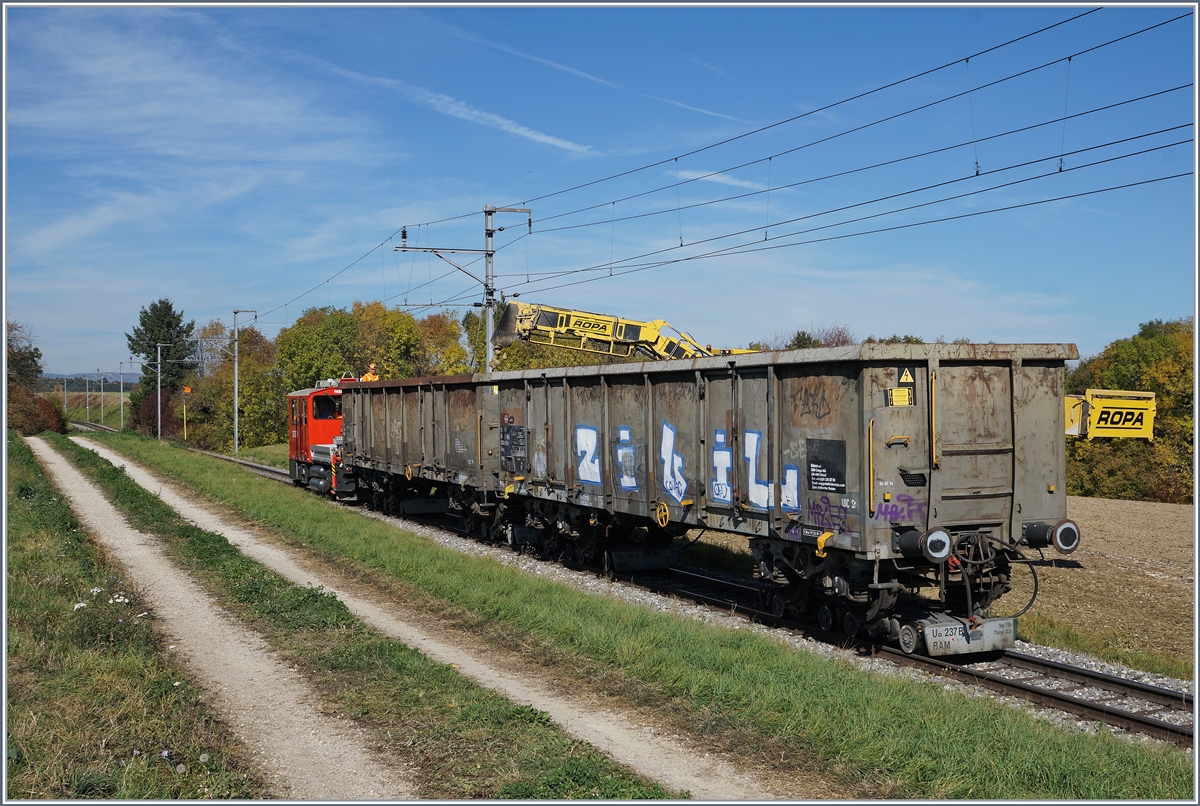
304,754
643,747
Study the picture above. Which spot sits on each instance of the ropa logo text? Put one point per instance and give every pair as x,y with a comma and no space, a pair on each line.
1121,418
586,324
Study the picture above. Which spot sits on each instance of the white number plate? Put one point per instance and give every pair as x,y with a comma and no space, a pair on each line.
951,639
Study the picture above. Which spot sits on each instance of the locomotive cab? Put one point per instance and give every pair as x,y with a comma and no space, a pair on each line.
314,440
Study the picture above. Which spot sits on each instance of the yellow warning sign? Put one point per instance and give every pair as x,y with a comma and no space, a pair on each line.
906,377
901,396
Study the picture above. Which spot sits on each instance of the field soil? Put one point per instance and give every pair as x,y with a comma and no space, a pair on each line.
1133,574
632,738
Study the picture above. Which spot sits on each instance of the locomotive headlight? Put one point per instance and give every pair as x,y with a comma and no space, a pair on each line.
1066,536
935,545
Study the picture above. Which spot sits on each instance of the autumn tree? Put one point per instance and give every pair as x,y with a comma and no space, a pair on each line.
28,413
320,344
441,350
389,338
261,406
1158,358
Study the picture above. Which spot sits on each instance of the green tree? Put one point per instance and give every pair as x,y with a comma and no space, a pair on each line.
803,340
895,338
160,323
389,338
1158,358
320,344
441,351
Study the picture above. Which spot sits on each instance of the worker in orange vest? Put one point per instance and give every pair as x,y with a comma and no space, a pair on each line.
371,374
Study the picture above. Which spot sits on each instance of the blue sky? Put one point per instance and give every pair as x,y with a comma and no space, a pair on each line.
233,157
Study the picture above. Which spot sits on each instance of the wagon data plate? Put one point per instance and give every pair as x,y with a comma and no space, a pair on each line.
949,638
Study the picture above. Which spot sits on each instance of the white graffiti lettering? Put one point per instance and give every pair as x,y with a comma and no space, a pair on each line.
626,459
789,492
673,480
585,447
722,490
761,493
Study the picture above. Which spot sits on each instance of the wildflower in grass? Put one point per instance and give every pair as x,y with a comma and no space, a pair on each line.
96,590
176,683
79,605
137,752
181,769
204,757
166,753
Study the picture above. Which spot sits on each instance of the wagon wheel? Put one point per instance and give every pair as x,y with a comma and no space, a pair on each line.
825,617
610,567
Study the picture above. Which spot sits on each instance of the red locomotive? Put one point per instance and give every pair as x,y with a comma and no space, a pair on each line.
315,439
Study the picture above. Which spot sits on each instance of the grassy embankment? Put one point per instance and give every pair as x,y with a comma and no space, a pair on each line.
82,409
270,455
465,741
737,690
96,709
730,555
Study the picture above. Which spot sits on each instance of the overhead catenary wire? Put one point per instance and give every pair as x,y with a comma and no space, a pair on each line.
868,125
1066,99
758,247
809,113
727,250
920,189
873,166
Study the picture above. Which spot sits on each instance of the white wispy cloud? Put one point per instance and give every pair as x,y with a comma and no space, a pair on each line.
147,114
447,105
709,67
690,108
720,179
146,86
479,40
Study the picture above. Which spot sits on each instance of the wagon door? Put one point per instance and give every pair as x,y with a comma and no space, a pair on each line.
972,451
898,462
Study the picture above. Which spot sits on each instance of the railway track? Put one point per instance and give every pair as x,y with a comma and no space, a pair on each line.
1121,703
93,427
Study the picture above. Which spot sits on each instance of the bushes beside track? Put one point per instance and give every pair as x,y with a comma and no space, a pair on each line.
740,690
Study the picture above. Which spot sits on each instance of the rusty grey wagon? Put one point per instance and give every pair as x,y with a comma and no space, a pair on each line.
856,473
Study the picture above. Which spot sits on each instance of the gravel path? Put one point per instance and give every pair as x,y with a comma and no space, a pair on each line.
302,753
644,748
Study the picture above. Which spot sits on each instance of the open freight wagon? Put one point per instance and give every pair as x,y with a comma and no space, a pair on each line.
855,472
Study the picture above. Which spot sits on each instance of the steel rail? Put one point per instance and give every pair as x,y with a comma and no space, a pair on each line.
254,467
93,427
1060,700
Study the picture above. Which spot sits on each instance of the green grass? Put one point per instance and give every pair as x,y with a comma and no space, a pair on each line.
93,701
271,455
740,690
1041,629
467,741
